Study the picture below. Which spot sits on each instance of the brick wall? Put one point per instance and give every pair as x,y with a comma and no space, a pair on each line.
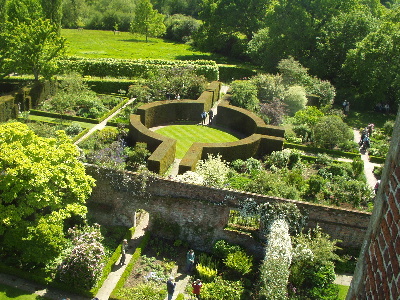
200,214
377,275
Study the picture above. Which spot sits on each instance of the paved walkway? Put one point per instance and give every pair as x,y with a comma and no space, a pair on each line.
103,124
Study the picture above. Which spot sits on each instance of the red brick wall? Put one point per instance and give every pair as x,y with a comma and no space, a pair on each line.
377,275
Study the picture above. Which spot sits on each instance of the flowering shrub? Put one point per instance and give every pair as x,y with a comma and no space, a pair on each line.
83,265
274,271
312,271
191,177
214,170
206,273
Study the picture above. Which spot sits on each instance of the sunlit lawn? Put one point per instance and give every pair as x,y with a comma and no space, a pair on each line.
186,135
7,292
106,44
343,289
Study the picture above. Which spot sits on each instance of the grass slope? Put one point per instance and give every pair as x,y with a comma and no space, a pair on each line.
106,44
186,135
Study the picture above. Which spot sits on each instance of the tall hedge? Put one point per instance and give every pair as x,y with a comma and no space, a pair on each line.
103,67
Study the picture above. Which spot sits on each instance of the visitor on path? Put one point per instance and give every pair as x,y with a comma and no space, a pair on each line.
171,287
377,186
196,285
190,261
387,108
203,118
347,108
370,128
210,116
124,247
344,105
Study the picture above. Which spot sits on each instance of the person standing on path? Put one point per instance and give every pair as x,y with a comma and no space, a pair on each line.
189,261
210,116
171,287
124,247
197,285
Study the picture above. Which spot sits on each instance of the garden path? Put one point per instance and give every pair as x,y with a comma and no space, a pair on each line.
103,124
117,270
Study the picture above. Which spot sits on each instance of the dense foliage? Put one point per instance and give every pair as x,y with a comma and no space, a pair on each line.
43,187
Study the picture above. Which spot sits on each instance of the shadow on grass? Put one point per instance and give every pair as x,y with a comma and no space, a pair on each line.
360,119
8,292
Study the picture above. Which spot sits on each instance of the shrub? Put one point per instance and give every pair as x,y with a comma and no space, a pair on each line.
312,271
295,99
83,266
222,249
206,273
73,129
214,170
221,289
331,131
388,127
180,27
246,166
150,290
273,111
137,156
239,262
244,95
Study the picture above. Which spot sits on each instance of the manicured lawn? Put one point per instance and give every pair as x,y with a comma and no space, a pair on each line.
343,289
106,44
186,135
7,292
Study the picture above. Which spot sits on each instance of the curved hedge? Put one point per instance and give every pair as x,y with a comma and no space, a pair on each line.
256,145
103,67
163,148
245,122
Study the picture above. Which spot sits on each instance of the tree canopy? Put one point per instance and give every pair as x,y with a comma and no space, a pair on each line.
43,186
147,20
31,47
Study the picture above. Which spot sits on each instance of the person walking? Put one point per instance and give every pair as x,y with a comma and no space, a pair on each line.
124,247
210,116
190,260
171,287
197,285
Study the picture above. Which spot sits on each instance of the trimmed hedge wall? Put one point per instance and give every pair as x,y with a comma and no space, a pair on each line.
163,148
255,145
8,108
103,67
322,150
108,85
164,112
62,116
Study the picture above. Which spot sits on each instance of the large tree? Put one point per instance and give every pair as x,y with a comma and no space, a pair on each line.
147,21
43,186
373,67
30,47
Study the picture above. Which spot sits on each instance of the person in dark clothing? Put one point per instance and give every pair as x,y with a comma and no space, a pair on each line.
170,287
210,116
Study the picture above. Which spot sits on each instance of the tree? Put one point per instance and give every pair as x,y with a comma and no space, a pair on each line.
43,186
147,20
31,48
244,94
330,131
373,67
52,10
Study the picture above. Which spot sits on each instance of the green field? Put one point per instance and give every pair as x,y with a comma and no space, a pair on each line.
186,135
106,44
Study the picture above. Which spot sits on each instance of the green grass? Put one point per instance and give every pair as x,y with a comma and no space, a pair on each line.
7,292
361,119
106,44
186,135
343,289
